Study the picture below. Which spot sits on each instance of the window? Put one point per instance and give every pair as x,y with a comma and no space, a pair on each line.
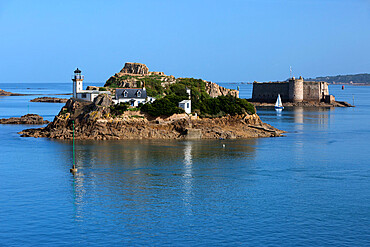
83,95
138,94
187,105
125,94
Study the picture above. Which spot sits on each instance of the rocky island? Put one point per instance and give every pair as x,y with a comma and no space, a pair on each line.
26,119
49,100
5,93
216,112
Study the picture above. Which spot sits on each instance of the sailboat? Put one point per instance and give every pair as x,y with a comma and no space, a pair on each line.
278,104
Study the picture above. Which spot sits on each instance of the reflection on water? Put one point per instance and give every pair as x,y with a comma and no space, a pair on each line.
302,117
133,176
188,176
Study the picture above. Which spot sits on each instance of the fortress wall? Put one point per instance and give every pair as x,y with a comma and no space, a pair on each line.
311,91
293,91
315,91
268,92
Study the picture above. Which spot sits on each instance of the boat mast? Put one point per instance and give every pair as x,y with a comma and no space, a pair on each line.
73,126
73,169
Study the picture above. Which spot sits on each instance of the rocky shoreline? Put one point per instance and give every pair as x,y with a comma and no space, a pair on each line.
93,121
49,100
26,119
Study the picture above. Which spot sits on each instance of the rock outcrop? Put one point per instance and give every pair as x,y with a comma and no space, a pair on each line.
215,90
49,100
134,75
103,100
93,121
135,68
92,88
26,119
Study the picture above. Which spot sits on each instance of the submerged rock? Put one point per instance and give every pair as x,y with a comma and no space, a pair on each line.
26,119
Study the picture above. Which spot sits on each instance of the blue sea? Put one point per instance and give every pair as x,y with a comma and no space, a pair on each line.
309,188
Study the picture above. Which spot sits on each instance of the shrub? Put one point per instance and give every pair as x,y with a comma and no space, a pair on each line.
102,89
222,105
119,109
153,86
138,84
134,109
166,106
136,116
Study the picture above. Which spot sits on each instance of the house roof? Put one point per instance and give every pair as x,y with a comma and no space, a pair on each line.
185,101
136,93
93,91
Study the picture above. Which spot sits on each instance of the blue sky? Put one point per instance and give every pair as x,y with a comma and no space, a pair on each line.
221,41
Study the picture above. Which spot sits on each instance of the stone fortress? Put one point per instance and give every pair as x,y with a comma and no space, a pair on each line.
294,90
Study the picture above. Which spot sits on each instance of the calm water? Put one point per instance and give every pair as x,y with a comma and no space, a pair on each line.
310,188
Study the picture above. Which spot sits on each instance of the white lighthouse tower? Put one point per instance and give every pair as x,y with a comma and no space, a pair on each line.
77,82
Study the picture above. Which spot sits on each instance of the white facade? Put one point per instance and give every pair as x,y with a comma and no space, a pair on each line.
77,87
89,95
133,96
132,101
186,105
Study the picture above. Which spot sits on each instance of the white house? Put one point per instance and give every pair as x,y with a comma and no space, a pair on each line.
186,105
79,93
134,96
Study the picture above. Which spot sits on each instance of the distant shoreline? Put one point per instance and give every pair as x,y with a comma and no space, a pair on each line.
350,84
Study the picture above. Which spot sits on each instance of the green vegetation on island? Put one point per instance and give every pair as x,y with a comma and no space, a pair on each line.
202,104
169,91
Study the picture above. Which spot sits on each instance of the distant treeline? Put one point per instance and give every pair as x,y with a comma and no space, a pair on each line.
355,79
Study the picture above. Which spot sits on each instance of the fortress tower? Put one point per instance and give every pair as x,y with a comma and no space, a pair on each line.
77,82
296,89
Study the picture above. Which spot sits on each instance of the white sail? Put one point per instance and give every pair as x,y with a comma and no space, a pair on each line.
278,103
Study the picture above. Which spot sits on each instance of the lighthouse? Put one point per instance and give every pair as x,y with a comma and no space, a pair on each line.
77,79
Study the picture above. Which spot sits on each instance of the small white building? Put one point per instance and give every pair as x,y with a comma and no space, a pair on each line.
79,93
186,105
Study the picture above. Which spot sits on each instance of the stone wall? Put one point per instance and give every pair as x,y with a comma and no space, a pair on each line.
268,91
315,91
